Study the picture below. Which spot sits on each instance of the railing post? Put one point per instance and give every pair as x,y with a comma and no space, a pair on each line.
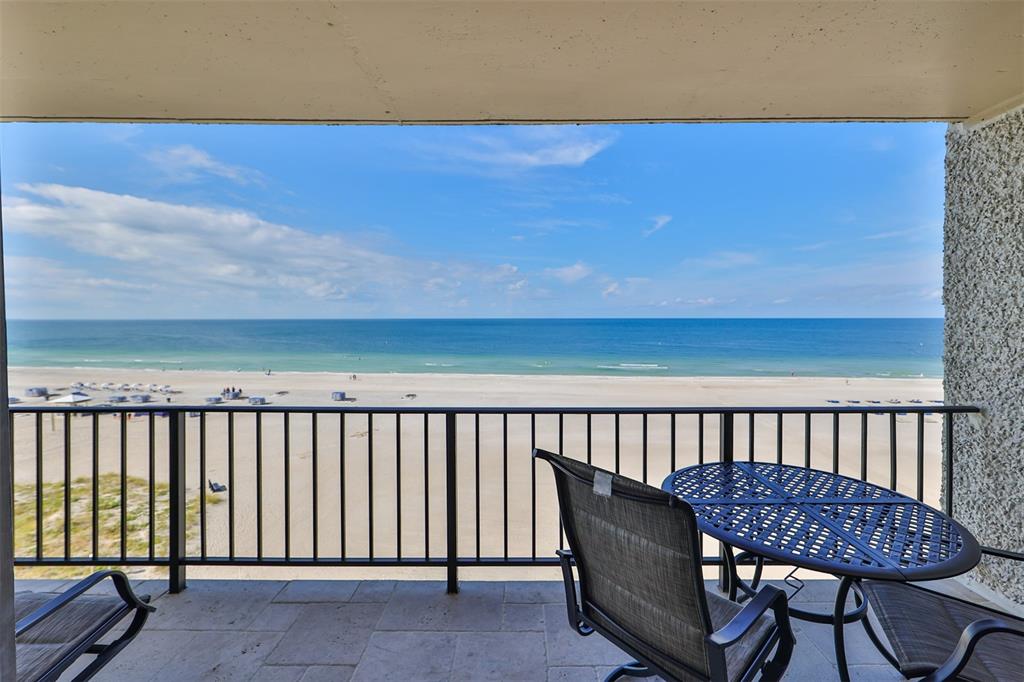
725,453
452,505
176,527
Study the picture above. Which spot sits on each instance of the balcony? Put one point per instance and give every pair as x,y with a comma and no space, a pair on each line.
255,493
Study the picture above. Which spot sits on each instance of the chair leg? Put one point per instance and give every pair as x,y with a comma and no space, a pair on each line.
634,669
108,652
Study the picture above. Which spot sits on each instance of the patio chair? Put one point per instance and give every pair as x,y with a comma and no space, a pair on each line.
944,638
638,557
53,630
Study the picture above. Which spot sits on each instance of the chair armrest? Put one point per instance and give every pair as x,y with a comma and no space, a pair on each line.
121,584
768,597
969,639
572,605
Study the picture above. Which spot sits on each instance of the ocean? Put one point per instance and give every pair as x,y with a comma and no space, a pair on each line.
611,347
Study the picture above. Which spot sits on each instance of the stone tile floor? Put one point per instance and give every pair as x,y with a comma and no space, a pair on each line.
313,630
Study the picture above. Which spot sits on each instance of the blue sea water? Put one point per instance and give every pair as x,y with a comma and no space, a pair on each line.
612,347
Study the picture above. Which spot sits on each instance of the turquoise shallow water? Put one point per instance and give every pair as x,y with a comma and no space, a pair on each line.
612,347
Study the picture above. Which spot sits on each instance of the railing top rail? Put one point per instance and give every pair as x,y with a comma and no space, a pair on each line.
332,409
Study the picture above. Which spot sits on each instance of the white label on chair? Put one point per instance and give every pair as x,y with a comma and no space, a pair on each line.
602,484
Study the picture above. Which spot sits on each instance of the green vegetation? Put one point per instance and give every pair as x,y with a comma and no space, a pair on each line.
108,512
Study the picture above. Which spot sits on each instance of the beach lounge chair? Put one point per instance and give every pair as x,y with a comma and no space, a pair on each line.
637,553
941,637
53,630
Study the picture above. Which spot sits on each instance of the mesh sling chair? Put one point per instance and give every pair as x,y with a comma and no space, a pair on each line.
53,630
942,637
637,554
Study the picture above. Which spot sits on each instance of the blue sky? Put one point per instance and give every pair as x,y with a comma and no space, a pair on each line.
711,220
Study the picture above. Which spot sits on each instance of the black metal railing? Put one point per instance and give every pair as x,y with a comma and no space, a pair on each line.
398,486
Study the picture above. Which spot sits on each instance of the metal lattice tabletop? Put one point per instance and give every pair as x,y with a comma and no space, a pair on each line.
824,521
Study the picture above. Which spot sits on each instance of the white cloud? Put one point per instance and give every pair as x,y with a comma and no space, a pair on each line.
516,286
611,290
780,301
230,255
660,221
570,274
522,149
185,163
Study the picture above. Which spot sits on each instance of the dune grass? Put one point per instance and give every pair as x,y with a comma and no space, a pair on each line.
108,513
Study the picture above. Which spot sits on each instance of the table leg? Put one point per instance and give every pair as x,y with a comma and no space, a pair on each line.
837,627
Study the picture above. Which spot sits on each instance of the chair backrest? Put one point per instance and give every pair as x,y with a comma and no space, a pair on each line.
638,558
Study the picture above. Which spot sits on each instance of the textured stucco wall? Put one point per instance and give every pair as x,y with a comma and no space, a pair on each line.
984,363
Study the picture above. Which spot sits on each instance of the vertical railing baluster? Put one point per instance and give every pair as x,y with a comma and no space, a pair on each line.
590,440
892,450
864,446
726,455
152,485
750,436
124,485
476,473
700,438
398,485
315,462
451,503
203,479
426,486
39,486
231,485
947,456
67,490
672,441
369,481
533,486
504,481
259,484
643,446
807,440
95,485
835,442
920,456
616,442
561,451
778,438
176,550
341,484
287,487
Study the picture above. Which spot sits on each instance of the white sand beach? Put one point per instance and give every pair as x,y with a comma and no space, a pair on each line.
422,454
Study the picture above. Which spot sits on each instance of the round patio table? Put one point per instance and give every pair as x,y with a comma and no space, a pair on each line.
825,522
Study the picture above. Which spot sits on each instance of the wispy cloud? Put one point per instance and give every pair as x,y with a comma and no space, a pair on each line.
817,246
894,234
613,289
546,225
721,260
233,256
521,149
570,274
185,163
659,221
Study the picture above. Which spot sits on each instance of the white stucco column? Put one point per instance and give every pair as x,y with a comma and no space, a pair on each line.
983,292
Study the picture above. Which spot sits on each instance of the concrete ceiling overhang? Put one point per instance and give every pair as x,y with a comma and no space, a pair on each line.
496,61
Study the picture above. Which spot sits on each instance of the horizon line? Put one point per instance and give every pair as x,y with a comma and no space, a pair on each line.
452,319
